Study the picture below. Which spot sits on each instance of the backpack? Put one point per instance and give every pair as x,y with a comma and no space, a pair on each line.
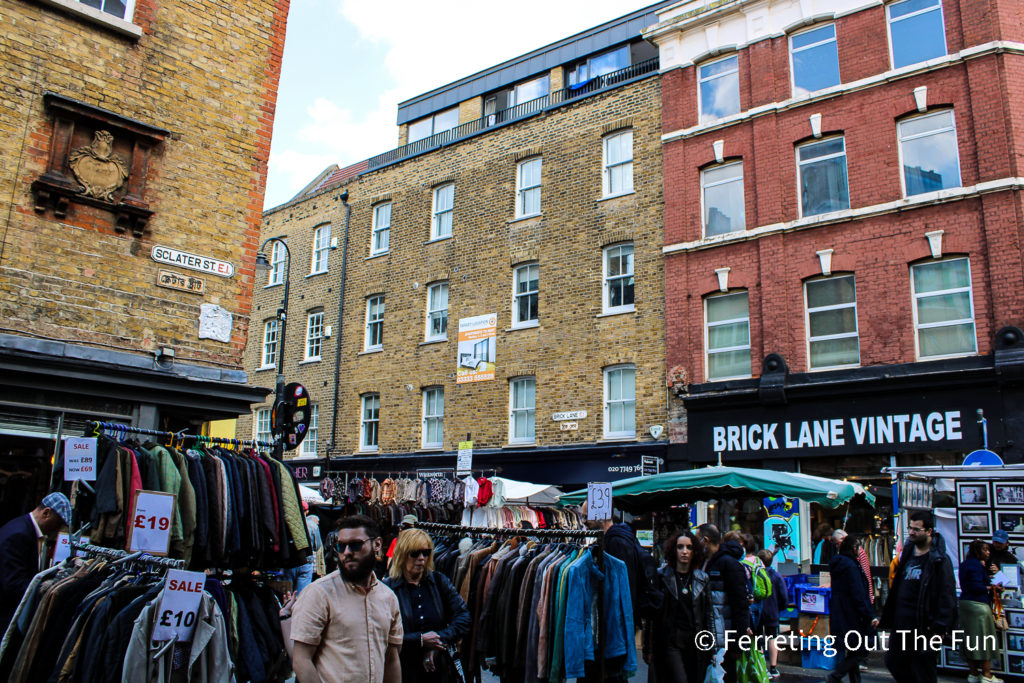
759,582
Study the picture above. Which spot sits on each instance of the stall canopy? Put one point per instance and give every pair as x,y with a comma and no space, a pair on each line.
642,494
527,493
311,495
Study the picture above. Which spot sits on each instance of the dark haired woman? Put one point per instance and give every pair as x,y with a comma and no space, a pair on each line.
979,626
852,621
669,644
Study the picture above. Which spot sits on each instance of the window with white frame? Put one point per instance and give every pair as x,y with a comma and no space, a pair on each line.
618,163
433,125
374,322
261,425
944,308
917,31
526,290
441,224
321,248
929,153
823,183
314,335
522,408
437,311
270,338
814,57
727,334
832,340
719,85
307,448
722,193
380,241
618,278
620,402
528,187
122,9
433,417
369,423
277,263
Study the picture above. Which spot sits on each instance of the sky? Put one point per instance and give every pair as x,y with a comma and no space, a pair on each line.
348,63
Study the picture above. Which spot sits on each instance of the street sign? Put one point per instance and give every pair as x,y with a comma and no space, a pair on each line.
290,418
650,465
983,458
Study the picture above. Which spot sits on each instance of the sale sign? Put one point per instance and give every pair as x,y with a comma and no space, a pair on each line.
80,458
150,530
62,550
179,606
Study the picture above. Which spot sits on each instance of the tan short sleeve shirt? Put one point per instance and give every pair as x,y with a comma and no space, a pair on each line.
351,628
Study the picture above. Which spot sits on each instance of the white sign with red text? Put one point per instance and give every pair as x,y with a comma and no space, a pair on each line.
80,458
150,531
179,606
62,550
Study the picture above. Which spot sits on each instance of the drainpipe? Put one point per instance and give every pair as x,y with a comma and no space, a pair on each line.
341,311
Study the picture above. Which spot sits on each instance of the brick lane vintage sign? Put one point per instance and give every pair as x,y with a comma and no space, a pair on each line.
184,283
203,264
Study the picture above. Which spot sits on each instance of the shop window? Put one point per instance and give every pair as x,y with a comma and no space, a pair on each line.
437,311
526,293
618,163
370,423
528,175
929,154
441,222
620,402
832,337
380,240
522,409
823,182
374,323
433,418
814,59
719,84
917,32
619,281
722,193
944,308
727,334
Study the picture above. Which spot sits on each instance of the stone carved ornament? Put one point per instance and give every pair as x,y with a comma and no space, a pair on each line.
97,168
214,323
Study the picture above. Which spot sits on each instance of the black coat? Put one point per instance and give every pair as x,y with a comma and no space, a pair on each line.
620,541
447,602
849,604
728,584
19,562
937,604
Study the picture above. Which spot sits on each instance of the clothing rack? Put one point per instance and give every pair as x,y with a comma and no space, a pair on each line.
410,474
504,531
120,556
124,429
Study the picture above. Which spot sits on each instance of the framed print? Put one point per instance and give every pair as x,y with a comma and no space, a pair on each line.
972,494
1009,492
997,664
975,523
1012,574
1010,521
1014,663
953,659
1015,643
1015,618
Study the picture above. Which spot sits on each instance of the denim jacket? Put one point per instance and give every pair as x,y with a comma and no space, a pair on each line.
584,579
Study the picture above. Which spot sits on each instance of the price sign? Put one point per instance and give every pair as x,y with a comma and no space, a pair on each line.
599,501
465,462
179,606
150,530
80,458
62,550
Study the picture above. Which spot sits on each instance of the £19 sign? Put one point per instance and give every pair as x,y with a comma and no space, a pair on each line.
179,605
151,522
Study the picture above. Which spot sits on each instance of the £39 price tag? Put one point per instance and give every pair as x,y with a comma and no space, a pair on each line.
179,606
151,522
599,501
80,458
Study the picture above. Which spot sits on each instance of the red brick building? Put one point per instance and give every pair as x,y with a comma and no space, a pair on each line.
844,275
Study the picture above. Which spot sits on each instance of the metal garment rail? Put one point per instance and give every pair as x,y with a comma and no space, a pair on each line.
504,531
122,556
124,429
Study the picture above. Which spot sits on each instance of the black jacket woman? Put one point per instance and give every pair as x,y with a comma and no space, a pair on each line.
852,620
434,616
669,643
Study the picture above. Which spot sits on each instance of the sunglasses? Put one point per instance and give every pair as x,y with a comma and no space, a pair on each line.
354,546
422,552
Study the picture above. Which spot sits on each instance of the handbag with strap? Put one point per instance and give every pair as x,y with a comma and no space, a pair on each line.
998,613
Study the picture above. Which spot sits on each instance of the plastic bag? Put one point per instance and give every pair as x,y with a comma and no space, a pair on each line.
751,667
716,672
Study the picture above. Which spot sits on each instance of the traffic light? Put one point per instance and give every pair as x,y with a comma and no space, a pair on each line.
290,417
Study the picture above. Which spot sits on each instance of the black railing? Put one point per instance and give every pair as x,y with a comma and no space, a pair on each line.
519,111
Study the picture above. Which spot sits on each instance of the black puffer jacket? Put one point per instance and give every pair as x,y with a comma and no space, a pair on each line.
730,606
936,604
620,541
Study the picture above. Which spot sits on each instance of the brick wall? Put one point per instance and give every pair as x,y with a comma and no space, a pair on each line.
206,72
573,342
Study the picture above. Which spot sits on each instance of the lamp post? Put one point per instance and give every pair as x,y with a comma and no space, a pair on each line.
263,264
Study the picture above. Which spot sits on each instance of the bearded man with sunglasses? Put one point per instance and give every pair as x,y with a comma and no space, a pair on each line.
347,626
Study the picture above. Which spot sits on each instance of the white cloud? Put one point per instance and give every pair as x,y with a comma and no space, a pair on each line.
426,45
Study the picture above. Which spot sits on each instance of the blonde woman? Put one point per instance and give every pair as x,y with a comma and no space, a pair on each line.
433,614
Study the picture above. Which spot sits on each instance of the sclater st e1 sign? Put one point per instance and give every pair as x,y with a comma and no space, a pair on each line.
203,264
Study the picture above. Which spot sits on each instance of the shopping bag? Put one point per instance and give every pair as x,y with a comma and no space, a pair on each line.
716,672
998,614
751,667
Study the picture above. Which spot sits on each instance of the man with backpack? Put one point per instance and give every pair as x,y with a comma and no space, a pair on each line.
729,618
